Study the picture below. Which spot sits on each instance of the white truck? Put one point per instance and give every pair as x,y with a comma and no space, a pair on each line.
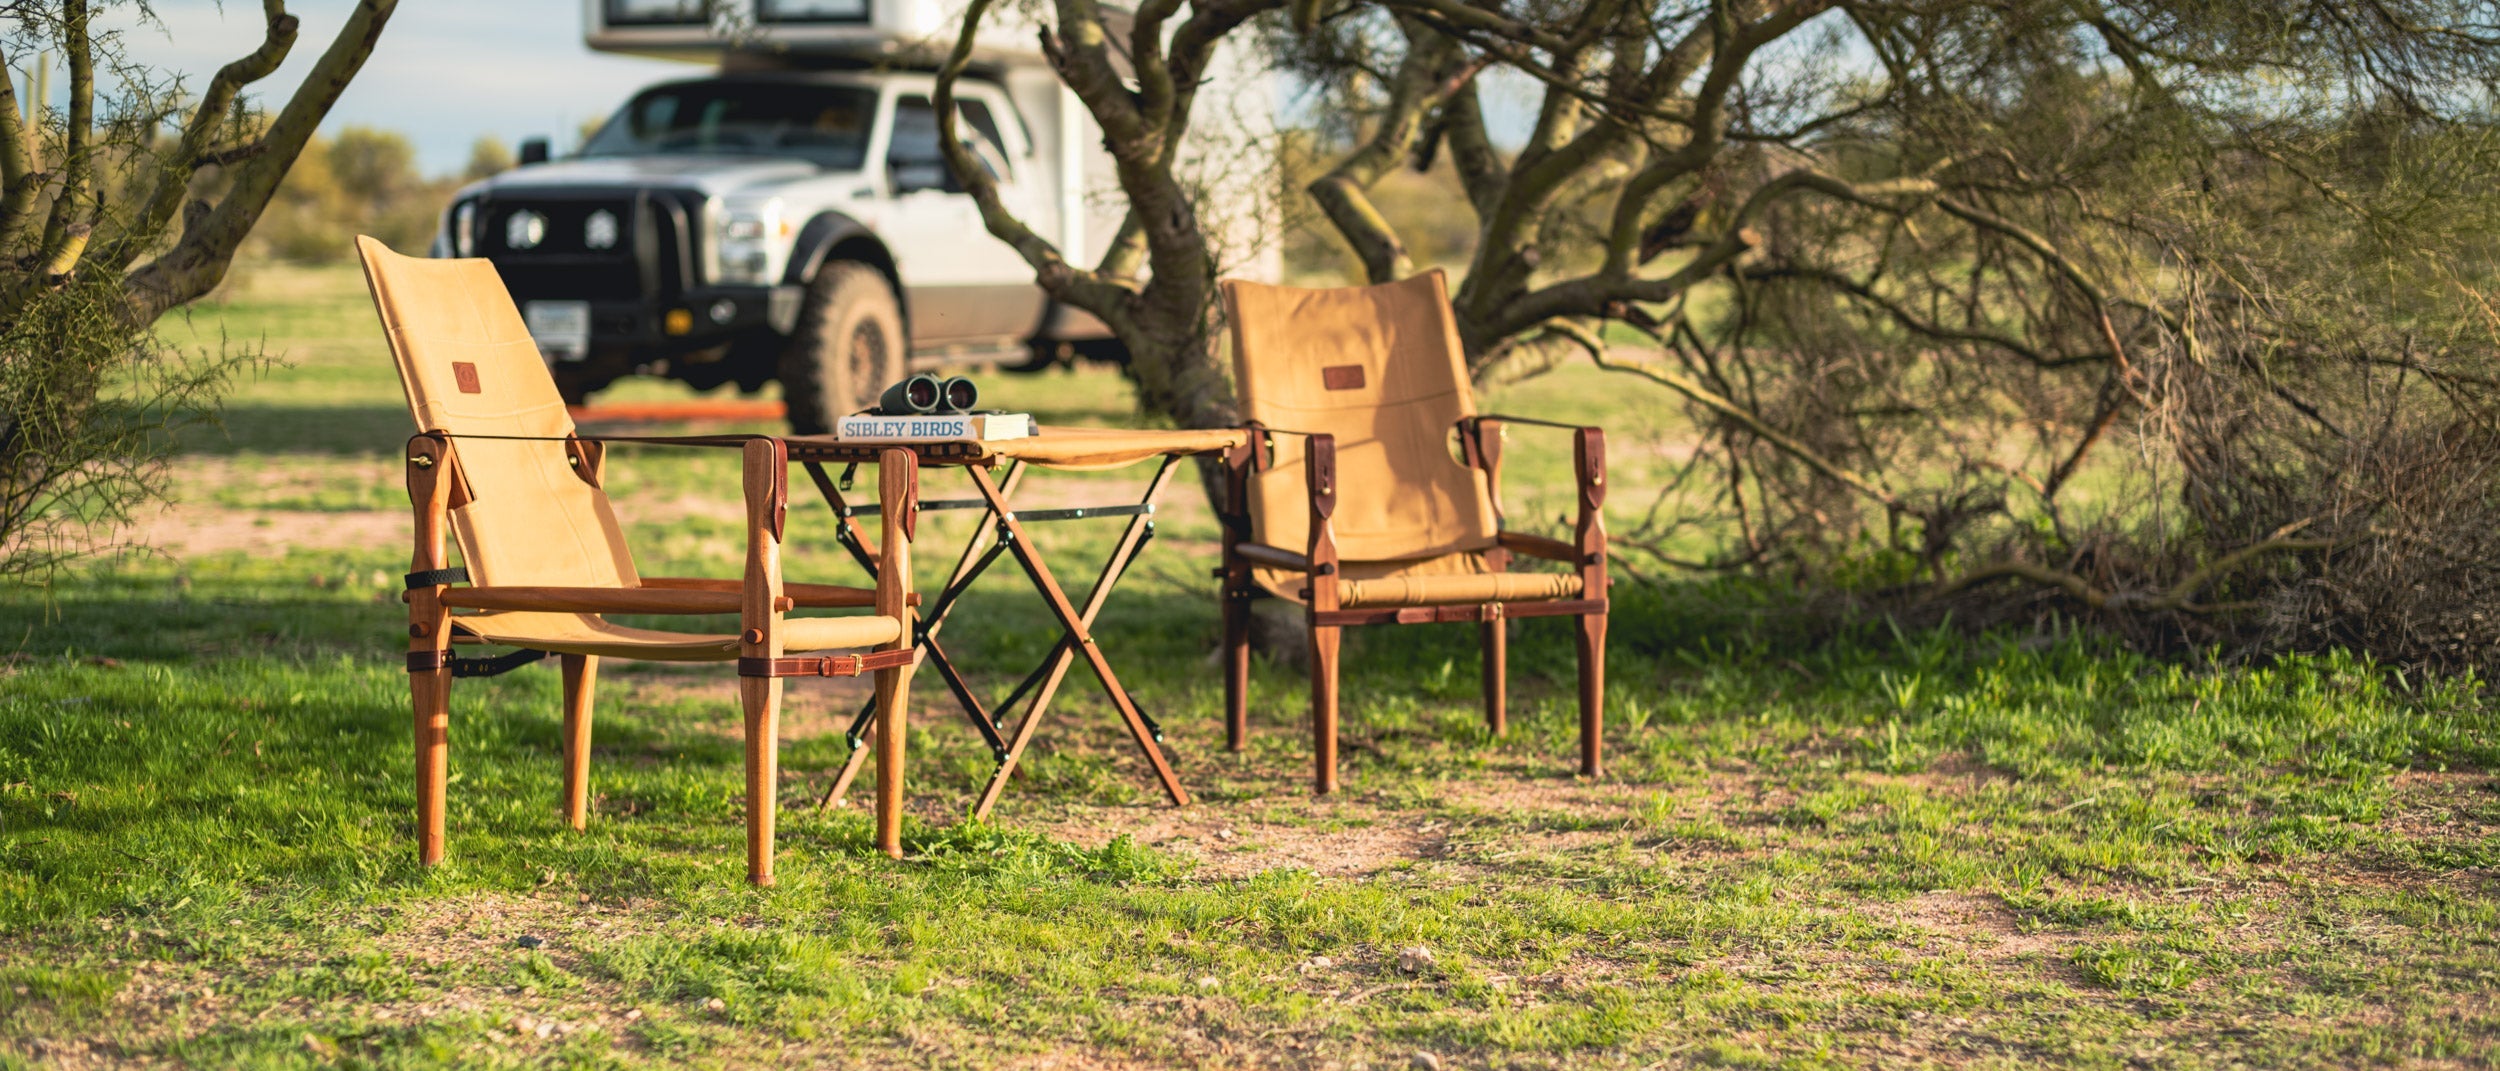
787,216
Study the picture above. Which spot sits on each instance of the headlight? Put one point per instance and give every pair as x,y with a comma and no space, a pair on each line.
464,229
750,243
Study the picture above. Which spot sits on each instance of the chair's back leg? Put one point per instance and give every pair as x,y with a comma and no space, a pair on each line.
581,681
1236,670
1236,595
1496,632
1496,676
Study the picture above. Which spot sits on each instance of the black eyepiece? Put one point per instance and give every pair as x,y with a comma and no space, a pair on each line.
923,393
961,395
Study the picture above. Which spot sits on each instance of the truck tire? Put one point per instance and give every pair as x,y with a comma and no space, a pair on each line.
848,346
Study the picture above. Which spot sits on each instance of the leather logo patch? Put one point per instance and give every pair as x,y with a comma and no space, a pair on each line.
1342,377
465,374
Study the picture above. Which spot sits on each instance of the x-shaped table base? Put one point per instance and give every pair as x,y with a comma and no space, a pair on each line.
1003,533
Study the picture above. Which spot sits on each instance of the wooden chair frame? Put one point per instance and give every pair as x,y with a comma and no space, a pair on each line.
1480,443
760,598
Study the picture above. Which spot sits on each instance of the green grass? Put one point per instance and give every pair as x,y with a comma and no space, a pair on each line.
1819,844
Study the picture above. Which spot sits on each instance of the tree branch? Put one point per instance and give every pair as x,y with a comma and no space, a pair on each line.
197,262
1421,85
78,139
1722,405
1063,280
19,181
191,152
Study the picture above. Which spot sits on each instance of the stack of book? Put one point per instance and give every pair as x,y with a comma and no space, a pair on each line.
934,427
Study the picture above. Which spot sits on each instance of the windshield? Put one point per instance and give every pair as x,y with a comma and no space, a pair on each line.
827,124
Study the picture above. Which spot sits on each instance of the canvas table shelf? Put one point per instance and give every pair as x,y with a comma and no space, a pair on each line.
1002,533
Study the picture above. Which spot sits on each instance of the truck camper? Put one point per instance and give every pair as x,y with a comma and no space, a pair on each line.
787,215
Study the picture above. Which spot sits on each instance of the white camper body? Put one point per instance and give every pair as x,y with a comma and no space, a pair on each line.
783,215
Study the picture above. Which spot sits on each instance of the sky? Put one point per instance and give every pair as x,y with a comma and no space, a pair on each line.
444,72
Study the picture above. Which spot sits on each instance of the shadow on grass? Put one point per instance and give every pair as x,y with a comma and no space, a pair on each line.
259,428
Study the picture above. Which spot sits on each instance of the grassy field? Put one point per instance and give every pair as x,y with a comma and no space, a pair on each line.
1885,849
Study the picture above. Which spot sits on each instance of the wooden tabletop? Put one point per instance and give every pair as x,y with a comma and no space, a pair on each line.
1051,446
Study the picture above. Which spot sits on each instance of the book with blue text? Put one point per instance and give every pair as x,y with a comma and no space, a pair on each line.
934,427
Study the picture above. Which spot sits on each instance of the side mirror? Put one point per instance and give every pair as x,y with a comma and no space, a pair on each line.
533,151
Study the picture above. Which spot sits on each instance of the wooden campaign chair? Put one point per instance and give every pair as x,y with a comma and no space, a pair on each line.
497,462
1391,515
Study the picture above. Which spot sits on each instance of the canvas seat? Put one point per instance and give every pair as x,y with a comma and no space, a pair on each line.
1404,588
590,634
498,467
1370,492
1449,579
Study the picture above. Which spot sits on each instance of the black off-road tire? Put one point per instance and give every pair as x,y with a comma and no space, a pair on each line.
848,346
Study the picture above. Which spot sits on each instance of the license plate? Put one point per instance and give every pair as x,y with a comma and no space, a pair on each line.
561,328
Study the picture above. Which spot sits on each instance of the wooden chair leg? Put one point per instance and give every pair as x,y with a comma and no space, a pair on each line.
430,692
581,680
1324,641
893,694
1236,673
1592,643
762,698
1496,675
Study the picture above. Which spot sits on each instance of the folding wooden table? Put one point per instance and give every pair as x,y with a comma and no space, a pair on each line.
1002,532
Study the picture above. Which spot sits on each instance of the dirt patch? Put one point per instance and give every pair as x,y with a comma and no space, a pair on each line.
1977,923
2430,805
185,529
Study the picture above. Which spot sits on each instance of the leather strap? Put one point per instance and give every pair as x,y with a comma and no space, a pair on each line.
843,665
490,666
426,578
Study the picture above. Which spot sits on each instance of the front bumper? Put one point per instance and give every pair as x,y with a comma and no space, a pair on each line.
696,319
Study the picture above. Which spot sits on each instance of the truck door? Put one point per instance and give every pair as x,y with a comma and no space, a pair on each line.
961,286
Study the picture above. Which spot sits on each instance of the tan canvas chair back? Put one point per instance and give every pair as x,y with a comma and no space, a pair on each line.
470,369
1380,368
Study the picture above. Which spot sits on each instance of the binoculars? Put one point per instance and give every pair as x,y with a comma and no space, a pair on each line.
925,393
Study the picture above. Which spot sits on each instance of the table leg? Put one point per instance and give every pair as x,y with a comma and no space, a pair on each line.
967,569
1078,636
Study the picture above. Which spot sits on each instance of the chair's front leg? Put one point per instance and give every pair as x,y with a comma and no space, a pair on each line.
1589,457
429,639
759,636
898,495
1320,471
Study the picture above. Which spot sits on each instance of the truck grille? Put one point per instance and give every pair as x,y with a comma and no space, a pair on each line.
653,257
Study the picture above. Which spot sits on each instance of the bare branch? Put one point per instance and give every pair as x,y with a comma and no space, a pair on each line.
197,262
1722,405
75,196
1423,83
208,118
19,181
1063,280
